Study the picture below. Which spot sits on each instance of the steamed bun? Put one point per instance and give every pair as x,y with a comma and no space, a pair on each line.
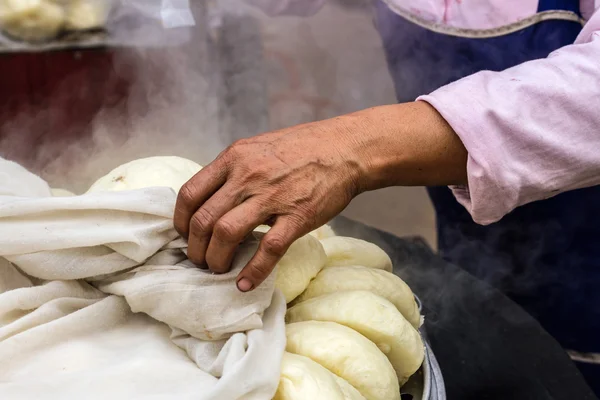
346,353
301,263
39,20
323,232
32,20
169,171
380,282
303,379
349,391
375,318
343,251
86,14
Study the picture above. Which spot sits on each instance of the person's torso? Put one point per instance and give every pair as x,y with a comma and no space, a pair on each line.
545,254
426,51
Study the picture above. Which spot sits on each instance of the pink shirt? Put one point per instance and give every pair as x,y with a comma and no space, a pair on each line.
531,131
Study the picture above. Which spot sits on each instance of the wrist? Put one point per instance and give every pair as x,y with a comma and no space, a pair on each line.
403,145
356,142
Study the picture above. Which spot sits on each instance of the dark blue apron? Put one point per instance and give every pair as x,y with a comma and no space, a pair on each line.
544,255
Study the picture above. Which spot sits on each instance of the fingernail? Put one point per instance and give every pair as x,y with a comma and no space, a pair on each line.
244,285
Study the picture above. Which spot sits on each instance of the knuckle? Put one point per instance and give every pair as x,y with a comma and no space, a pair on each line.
242,142
301,220
274,245
234,148
260,271
186,194
228,153
306,214
225,230
202,220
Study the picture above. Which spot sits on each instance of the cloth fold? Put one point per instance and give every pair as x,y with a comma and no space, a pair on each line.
84,278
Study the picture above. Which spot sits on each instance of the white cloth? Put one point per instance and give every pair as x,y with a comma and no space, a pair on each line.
98,300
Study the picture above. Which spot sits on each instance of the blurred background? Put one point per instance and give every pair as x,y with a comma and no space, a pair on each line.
72,115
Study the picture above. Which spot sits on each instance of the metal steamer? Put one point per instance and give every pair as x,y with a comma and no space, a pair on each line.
427,383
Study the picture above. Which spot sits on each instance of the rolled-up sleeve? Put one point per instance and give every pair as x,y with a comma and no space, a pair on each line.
531,131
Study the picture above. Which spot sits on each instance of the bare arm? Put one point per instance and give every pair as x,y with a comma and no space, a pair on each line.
299,178
408,145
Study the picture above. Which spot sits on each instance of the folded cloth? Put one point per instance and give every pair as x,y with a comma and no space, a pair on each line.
98,300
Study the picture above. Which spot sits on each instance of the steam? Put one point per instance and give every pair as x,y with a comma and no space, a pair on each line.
240,73
135,102
171,109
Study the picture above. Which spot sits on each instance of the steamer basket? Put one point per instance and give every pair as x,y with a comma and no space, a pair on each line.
427,383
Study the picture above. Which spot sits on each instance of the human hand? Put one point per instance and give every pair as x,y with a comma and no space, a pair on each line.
295,179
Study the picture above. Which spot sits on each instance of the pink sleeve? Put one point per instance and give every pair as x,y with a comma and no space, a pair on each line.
531,131
300,8
588,7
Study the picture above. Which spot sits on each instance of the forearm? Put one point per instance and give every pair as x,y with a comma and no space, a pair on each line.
405,145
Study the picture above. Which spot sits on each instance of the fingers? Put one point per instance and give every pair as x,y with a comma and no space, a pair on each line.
230,231
204,219
272,247
195,192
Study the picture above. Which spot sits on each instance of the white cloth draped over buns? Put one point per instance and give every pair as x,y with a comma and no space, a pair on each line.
98,300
